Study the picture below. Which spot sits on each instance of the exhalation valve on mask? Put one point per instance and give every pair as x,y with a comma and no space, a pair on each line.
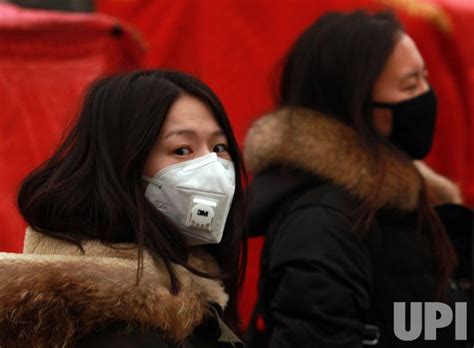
201,213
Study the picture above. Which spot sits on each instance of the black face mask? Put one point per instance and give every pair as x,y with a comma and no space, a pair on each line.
414,123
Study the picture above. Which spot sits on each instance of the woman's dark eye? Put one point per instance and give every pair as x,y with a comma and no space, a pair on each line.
182,151
220,148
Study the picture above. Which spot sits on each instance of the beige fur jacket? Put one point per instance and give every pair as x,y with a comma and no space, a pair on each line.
52,293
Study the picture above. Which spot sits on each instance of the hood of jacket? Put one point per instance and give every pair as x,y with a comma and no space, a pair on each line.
314,143
270,190
52,293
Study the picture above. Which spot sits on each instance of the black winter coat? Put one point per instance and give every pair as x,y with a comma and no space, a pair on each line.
324,284
211,333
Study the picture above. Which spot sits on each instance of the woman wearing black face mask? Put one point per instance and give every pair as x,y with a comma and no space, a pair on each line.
349,218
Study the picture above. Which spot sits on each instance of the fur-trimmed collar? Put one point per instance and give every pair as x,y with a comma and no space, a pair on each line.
332,150
52,293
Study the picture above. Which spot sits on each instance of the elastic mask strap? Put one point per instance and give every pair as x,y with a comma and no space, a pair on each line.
382,105
151,181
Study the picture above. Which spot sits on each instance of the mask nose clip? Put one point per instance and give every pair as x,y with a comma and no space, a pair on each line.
201,213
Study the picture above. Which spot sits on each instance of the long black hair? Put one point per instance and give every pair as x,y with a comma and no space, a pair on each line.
92,185
332,68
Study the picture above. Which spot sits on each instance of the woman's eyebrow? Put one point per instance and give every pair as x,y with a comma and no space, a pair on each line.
218,133
411,74
193,133
188,132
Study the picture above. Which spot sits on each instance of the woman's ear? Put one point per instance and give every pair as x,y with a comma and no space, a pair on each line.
441,190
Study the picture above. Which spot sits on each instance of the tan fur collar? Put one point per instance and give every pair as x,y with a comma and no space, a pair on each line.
327,148
53,293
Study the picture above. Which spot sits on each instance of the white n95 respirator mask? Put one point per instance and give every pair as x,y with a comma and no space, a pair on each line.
196,195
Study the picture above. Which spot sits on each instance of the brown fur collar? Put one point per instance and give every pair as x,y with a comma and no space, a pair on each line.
53,294
327,148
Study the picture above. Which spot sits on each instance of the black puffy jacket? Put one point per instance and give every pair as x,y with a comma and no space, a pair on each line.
324,284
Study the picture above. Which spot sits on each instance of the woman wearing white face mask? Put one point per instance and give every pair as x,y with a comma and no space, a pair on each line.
136,233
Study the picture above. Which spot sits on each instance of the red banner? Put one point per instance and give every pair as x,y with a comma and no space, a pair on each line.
46,60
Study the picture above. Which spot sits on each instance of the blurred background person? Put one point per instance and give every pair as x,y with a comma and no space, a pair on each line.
350,222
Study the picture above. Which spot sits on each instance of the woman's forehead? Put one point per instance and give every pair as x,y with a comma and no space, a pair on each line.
405,58
190,115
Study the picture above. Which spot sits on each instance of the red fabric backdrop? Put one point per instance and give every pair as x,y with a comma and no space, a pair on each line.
46,60
235,46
